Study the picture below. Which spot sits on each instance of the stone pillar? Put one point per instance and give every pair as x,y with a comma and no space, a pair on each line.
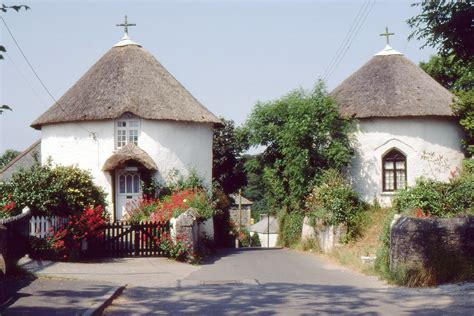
185,226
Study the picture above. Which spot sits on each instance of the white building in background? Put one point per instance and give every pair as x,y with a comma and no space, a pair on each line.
405,126
126,119
267,229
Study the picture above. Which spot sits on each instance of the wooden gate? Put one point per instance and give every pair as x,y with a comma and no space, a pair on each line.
123,239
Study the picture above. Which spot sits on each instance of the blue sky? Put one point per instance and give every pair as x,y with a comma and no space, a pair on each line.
228,54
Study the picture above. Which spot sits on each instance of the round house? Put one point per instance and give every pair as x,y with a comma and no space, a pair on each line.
405,126
128,119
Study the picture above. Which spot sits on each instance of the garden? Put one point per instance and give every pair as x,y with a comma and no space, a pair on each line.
74,209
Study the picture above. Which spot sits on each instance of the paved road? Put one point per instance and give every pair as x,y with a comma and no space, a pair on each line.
286,282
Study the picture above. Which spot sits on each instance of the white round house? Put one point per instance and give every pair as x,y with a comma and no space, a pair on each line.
405,126
127,116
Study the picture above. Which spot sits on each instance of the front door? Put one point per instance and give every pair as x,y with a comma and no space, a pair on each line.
128,191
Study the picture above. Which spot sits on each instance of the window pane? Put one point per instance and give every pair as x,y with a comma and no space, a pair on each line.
400,165
388,165
136,184
401,181
389,181
129,184
133,124
122,184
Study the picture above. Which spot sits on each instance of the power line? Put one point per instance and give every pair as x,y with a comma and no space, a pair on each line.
93,134
345,40
353,32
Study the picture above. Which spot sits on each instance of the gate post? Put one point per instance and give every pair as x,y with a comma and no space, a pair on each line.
137,239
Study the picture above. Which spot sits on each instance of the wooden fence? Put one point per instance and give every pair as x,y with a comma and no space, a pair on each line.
42,226
122,239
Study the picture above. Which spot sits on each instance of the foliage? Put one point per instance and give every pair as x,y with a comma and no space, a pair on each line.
245,240
48,190
291,226
162,210
334,202
255,242
302,134
438,199
66,241
446,25
227,165
8,207
255,190
8,156
451,73
178,248
178,182
464,108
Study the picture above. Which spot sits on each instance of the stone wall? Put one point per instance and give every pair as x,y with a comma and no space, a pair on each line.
423,243
187,226
328,237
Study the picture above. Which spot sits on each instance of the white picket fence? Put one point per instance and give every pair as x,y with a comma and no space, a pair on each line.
40,226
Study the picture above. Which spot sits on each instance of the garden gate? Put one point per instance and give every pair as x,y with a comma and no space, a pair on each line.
122,239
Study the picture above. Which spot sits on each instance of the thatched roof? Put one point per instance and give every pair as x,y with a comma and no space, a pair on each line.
127,153
126,79
389,85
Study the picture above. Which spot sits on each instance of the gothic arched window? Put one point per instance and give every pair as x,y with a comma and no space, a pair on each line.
394,171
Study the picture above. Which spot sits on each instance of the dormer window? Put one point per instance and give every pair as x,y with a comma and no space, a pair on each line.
127,130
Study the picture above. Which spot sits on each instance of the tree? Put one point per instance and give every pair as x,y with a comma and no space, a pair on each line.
302,134
255,189
447,25
8,156
228,165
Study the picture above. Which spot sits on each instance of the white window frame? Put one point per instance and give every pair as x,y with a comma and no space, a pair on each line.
128,129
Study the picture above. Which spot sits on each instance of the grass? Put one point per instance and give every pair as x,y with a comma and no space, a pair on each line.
367,245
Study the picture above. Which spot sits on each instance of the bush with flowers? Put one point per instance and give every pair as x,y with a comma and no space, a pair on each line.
65,242
8,207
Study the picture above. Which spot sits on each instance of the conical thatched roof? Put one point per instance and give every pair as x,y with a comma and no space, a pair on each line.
389,85
126,79
129,152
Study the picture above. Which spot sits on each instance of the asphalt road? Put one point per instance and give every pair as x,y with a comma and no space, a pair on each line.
285,282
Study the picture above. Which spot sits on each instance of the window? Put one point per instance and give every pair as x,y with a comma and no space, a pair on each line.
129,183
394,171
127,132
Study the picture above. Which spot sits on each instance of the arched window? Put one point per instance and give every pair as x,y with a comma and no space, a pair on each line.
394,171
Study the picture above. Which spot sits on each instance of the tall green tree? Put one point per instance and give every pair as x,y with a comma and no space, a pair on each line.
302,134
8,156
448,26
228,165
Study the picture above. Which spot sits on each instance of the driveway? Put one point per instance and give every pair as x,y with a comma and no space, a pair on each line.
285,282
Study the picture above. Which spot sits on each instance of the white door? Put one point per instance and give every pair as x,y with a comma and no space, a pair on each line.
128,191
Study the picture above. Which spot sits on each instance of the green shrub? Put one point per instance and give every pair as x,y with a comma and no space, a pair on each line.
48,190
291,226
438,198
255,242
334,202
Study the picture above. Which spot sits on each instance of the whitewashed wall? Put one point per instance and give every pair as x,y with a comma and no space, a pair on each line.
267,240
172,145
413,137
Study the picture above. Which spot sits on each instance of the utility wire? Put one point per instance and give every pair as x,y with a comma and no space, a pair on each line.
351,35
93,134
344,41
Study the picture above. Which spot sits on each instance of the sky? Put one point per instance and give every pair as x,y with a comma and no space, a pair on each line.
229,54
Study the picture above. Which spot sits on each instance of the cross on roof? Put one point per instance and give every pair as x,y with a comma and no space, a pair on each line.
387,35
126,25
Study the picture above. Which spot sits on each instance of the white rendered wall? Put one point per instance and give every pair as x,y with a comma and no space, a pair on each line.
172,145
267,240
439,140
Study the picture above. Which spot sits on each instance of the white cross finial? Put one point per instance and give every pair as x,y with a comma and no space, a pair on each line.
126,25
387,35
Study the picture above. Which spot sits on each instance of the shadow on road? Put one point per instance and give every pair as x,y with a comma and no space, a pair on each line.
279,298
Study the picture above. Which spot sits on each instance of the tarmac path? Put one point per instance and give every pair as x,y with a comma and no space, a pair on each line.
285,282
